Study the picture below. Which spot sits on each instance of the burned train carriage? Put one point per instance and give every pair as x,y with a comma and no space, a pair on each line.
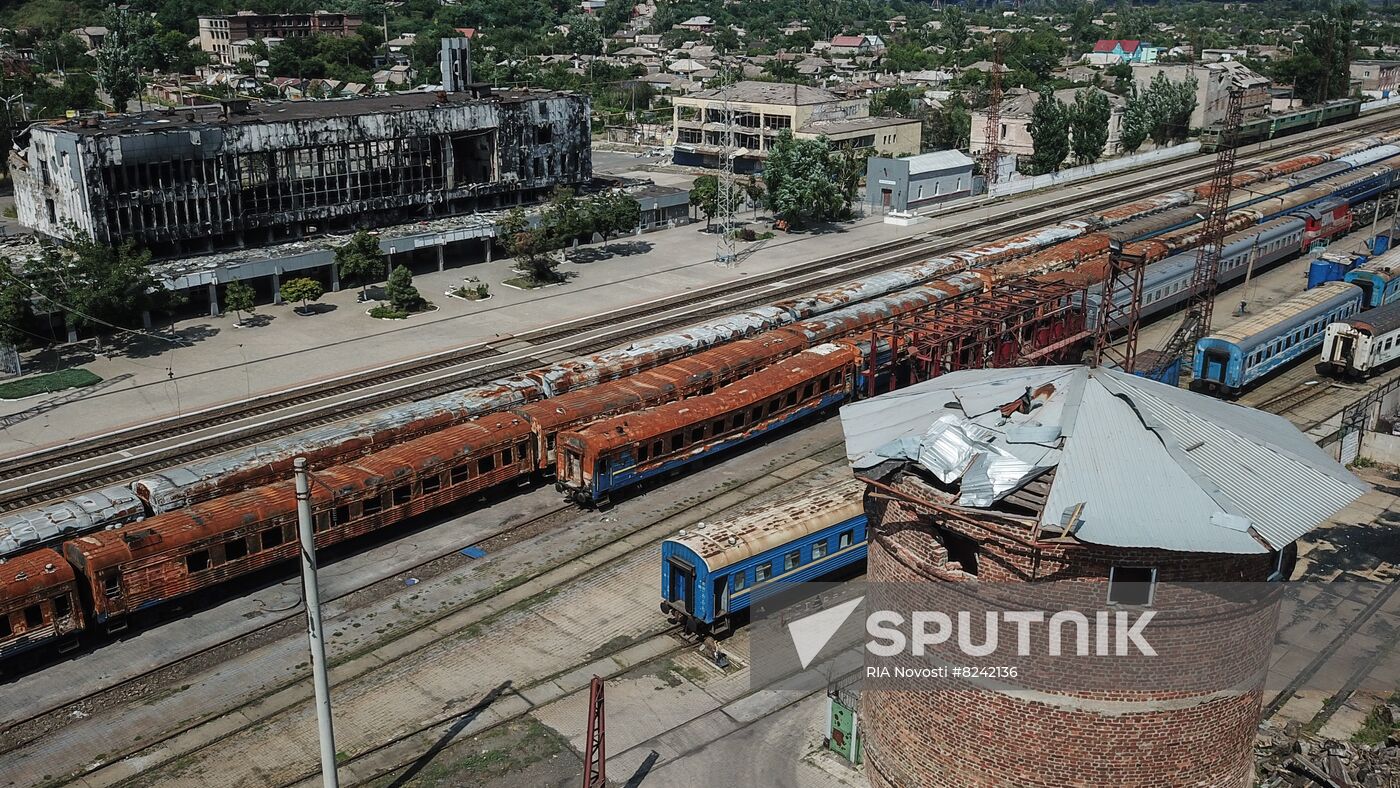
222,176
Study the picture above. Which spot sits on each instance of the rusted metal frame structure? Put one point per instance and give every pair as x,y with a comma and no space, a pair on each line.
595,771
991,133
1120,307
1018,321
1200,306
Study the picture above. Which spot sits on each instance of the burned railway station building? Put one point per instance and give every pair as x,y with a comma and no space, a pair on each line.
244,174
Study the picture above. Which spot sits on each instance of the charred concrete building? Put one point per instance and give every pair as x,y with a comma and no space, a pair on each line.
243,174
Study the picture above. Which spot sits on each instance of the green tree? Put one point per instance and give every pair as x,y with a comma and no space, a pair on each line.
302,289
803,180
1169,106
96,285
530,246
403,296
1049,130
585,37
16,311
117,63
705,195
360,260
613,214
239,297
1137,123
565,220
1320,68
1089,120
948,127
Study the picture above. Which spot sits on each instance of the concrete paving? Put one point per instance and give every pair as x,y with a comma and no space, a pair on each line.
438,622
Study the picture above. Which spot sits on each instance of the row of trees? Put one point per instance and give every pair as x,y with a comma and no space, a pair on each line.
1162,112
1060,130
804,180
563,223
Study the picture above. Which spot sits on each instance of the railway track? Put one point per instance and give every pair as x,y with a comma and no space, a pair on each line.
139,687
54,472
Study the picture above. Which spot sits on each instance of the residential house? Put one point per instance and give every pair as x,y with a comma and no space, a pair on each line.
762,110
1014,136
700,24
897,23
641,55
1378,77
1214,81
1221,55
793,28
92,37
648,40
592,6
1109,51
218,32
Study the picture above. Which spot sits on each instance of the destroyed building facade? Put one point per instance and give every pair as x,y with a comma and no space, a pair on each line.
243,174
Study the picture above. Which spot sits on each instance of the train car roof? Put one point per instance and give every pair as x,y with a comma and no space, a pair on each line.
33,571
210,518
622,430
735,539
1250,331
691,371
602,398
1379,321
83,512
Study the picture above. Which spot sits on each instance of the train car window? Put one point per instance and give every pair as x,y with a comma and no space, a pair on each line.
657,448
112,584
846,539
432,484
697,434
506,458
235,549
271,538
198,561
62,606
342,514
33,617
717,427
807,391
460,474
741,580
819,549
322,521
756,415
677,441
486,464
5,630
642,452
403,494
773,406
791,560
823,385
762,572
371,505
549,441
790,399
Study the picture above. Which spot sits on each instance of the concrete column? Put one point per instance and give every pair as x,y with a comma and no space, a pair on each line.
442,253
72,332
335,278
276,288
488,241
213,300
146,319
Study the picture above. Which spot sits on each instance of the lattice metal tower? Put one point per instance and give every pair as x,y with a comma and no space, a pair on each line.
991,132
1120,309
1200,306
726,251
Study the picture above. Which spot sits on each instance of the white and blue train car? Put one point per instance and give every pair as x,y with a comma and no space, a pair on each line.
1166,283
712,572
1230,360
1377,278
1362,345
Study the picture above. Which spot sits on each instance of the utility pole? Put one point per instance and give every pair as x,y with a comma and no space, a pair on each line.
306,530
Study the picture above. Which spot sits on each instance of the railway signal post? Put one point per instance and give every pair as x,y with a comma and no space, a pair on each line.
307,532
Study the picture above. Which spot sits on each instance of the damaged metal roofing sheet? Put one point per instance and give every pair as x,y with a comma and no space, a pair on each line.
1153,466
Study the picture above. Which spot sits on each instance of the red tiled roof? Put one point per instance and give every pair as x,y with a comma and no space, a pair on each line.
1107,44
467,32
847,41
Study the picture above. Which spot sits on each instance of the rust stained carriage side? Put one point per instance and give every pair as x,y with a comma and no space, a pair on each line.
39,602
180,552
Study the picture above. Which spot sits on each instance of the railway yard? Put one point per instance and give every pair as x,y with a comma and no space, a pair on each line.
462,641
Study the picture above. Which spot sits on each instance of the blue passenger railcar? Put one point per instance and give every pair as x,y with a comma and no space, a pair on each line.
1377,279
1232,359
711,572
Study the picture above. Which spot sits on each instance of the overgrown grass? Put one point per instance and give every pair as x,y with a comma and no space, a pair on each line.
527,282
1378,725
44,384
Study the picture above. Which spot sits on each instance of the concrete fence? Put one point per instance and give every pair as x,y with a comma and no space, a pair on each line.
1030,183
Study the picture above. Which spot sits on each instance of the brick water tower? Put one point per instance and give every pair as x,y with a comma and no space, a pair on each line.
1084,488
